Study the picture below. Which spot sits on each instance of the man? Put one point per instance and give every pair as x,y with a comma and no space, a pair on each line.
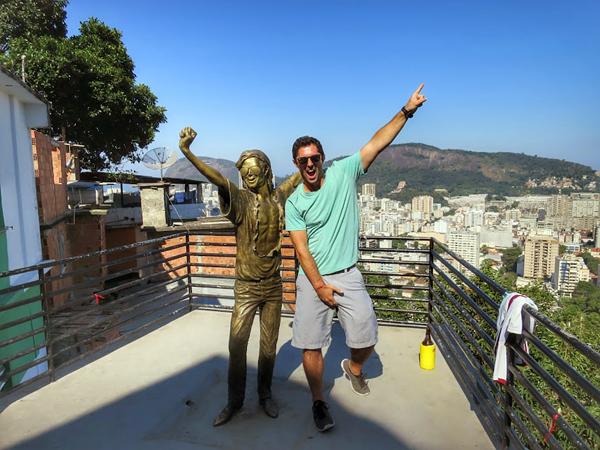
257,213
322,218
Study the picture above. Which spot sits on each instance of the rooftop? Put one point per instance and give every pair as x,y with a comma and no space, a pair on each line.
164,389
72,375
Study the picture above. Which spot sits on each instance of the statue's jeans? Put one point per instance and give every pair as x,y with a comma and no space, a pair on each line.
266,296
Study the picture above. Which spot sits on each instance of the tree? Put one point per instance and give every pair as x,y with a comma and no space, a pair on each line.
510,256
399,244
29,18
90,80
591,262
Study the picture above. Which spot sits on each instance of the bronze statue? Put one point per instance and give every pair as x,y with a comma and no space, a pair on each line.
257,213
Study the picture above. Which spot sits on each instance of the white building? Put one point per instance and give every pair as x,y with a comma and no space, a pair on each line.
440,226
496,238
369,189
568,271
473,218
585,204
21,109
466,245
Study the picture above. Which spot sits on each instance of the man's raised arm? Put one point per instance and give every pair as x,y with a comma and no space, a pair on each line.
187,136
388,133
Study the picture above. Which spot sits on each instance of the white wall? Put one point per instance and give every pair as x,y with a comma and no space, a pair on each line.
17,181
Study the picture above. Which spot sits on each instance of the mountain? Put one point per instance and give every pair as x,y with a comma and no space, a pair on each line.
424,168
183,168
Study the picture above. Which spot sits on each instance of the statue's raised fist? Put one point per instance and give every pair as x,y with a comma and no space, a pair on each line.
187,136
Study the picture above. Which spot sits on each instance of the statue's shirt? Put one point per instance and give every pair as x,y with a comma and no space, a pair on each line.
258,228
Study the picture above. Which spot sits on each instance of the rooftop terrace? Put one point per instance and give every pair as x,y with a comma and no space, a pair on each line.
164,390
127,348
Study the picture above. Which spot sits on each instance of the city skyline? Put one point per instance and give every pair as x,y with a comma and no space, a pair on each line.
259,75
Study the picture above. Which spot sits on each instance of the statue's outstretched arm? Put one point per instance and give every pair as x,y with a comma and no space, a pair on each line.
187,136
290,185
295,179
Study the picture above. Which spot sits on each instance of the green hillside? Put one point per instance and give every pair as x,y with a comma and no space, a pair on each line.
425,168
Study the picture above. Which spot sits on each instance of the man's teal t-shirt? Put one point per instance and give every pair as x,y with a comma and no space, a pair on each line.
329,216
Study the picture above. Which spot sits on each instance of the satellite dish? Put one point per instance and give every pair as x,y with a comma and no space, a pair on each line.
159,158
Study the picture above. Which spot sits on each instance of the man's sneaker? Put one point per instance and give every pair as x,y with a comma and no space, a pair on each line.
323,419
359,384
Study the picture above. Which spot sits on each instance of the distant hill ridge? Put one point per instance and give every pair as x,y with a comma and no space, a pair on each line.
183,168
425,168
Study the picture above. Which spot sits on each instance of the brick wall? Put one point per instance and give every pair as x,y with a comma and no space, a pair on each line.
174,262
49,161
54,246
228,257
117,237
228,253
87,235
288,263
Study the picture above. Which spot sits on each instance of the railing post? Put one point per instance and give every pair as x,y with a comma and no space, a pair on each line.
46,307
430,292
189,270
508,401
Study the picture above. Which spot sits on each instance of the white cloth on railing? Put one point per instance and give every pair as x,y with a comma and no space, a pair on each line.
510,320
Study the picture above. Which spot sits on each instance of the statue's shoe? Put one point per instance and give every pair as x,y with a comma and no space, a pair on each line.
226,415
270,407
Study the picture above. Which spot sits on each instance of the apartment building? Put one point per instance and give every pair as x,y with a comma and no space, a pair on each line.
568,271
580,210
539,256
369,189
423,203
560,206
585,204
466,245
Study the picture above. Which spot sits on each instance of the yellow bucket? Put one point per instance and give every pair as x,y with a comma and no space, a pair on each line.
427,357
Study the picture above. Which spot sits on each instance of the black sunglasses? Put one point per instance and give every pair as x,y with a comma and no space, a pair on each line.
303,160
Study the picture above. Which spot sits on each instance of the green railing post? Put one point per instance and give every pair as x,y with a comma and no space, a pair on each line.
46,308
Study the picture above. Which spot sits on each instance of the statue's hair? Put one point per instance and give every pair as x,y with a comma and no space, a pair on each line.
266,165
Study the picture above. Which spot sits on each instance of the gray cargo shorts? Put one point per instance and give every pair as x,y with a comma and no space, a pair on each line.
313,319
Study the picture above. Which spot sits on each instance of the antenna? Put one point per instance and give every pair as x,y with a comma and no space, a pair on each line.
159,158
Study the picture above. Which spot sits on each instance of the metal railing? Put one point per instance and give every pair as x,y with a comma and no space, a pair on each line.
547,392
64,311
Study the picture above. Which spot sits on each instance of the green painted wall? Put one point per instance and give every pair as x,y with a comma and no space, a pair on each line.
15,314
3,249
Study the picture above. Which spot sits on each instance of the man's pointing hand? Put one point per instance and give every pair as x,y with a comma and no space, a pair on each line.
416,100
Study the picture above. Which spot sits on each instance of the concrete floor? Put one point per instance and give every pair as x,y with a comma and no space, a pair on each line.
164,389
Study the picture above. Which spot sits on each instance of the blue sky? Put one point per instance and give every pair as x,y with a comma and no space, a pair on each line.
509,76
